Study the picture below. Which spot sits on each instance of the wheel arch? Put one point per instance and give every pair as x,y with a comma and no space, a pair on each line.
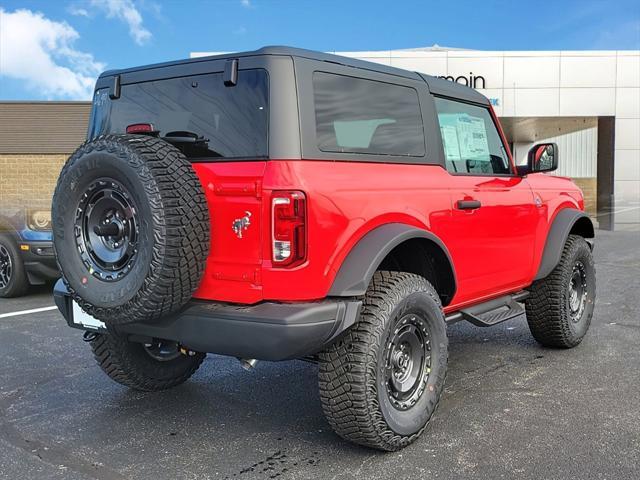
568,221
6,227
397,247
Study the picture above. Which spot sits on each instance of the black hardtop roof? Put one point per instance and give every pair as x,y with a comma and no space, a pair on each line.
436,85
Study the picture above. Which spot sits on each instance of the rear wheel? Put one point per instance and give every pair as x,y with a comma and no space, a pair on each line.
560,307
381,382
149,367
13,277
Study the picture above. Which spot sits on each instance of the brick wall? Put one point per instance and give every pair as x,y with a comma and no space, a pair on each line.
28,180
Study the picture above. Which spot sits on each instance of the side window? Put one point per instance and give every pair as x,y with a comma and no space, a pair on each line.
354,115
471,140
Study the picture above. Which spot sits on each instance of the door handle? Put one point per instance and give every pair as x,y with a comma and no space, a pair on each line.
468,204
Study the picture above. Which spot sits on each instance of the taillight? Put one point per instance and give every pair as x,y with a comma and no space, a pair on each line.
289,228
140,128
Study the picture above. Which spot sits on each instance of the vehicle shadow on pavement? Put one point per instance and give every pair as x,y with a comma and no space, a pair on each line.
269,420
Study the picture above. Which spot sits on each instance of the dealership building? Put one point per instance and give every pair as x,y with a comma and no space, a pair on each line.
588,102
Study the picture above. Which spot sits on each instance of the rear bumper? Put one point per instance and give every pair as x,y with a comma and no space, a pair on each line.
266,331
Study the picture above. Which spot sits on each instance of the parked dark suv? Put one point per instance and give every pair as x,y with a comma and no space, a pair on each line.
26,250
288,204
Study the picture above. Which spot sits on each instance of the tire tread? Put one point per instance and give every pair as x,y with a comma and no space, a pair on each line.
112,353
347,373
546,305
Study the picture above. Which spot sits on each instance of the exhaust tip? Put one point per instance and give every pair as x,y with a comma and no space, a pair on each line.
248,363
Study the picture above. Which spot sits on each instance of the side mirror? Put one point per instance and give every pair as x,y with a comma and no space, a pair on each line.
543,157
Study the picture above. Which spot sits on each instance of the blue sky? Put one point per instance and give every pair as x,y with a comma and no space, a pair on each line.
54,49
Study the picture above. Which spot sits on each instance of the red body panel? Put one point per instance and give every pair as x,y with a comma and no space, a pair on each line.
495,249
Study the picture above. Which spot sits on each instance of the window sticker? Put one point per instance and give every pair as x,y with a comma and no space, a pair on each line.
472,137
464,137
450,140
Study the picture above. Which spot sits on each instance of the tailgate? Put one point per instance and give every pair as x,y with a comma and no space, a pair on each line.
234,197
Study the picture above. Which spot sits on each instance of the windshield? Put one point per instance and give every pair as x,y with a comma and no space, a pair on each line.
197,114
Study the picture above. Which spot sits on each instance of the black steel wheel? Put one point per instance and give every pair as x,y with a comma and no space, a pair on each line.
380,383
13,277
107,229
560,307
407,364
6,266
578,291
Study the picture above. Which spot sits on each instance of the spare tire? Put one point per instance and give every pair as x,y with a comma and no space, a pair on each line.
130,228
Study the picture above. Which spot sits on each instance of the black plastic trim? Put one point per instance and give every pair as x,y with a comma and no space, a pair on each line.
40,267
42,271
230,76
361,263
485,307
114,88
497,310
266,331
557,237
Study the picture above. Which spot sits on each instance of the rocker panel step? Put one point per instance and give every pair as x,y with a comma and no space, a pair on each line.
494,311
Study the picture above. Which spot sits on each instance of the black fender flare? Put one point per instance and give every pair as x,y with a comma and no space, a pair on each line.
365,257
561,227
7,227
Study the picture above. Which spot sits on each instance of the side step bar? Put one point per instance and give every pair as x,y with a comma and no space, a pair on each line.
492,312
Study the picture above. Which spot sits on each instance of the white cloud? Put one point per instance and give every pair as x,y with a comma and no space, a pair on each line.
246,3
78,11
127,12
41,52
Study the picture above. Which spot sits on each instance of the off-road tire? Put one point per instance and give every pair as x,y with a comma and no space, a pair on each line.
173,238
548,307
129,364
18,281
353,398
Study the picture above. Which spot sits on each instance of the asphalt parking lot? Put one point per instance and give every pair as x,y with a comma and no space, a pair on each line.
511,408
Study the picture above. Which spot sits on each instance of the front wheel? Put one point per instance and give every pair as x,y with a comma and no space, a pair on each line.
13,278
149,367
381,382
560,306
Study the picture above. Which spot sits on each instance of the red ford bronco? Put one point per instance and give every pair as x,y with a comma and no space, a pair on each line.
288,204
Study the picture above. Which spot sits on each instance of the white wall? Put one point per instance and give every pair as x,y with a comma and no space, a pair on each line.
578,153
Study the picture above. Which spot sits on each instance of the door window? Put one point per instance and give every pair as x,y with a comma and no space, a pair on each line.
472,144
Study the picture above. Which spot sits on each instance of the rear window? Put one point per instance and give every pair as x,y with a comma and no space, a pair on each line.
354,115
198,114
